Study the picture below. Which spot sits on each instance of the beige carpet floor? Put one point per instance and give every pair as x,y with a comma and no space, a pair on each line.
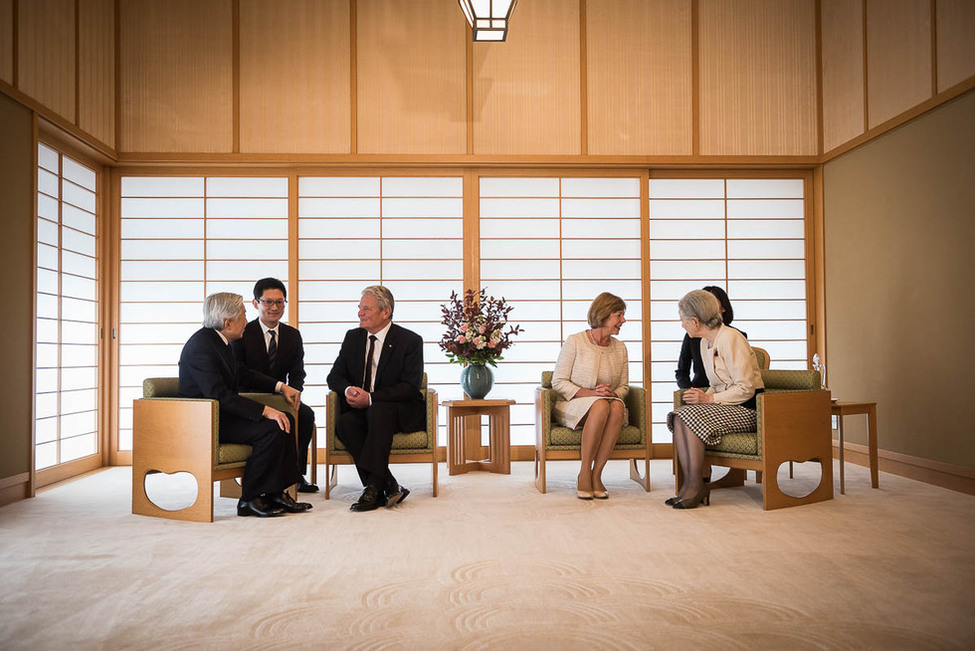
492,564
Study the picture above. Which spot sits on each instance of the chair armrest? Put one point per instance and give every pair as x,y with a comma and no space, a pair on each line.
636,404
275,401
794,418
167,432
679,398
331,415
432,405
544,399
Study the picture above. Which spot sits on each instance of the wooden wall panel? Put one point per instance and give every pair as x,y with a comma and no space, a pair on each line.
176,76
758,77
898,57
46,54
956,42
295,85
411,69
639,74
7,41
843,94
527,90
96,69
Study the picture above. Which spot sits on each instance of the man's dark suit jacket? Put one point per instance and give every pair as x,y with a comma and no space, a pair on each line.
398,376
289,364
208,369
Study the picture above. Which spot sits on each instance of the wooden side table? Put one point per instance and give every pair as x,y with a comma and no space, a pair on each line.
842,408
499,448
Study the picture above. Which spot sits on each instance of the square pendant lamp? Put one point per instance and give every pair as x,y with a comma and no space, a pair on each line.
488,18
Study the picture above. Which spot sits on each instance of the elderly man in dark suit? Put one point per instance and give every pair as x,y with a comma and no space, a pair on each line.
208,369
276,350
377,375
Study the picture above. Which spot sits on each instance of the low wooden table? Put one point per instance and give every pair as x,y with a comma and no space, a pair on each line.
841,408
458,441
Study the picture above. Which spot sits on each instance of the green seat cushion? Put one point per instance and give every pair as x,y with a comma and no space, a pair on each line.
746,443
233,453
572,438
403,442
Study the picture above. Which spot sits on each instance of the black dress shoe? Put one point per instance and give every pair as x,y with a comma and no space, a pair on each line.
288,503
260,507
304,486
369,500
395,494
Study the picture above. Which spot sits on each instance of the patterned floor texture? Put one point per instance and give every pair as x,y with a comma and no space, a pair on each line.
493,564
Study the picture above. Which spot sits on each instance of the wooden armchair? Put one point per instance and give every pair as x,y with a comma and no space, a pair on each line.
172,434
408,447
793,425
553,441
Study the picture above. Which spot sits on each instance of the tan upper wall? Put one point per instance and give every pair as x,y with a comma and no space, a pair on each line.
899,230
668,78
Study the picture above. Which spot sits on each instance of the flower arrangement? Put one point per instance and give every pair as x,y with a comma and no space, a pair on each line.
476,328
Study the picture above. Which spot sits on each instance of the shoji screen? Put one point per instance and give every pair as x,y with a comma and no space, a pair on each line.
66,369
183,238
402,232
744,235
549,246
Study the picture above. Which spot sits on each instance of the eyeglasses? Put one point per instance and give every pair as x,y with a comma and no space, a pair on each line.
269,303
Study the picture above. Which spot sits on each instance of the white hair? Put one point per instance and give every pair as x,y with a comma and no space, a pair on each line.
703,306
384,297
219,307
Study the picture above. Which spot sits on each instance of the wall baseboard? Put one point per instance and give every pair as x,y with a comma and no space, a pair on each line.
936,473
15,488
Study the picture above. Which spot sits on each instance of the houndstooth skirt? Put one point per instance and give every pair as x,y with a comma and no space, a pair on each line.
712,421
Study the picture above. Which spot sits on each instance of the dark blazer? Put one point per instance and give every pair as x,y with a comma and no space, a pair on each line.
398,375
289,364
208,369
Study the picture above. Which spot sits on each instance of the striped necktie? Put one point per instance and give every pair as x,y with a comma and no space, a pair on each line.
272,349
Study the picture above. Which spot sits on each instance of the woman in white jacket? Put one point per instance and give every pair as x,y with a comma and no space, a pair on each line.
592,379
728,405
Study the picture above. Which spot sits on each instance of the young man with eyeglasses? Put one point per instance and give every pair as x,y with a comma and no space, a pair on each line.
276,349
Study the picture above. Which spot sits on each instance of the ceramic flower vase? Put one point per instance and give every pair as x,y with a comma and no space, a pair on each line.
476,380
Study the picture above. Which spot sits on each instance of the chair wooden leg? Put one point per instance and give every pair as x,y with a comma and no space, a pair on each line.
734,479
331,478
539,471
644,481
314,455
774,498
436,486
230,488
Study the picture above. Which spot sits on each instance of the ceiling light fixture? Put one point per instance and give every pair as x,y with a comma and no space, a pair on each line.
488,18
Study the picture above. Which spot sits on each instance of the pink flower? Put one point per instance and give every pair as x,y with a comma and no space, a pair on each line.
461,339
464,327
481,329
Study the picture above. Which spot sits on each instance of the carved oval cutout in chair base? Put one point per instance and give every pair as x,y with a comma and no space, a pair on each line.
171,492
806,478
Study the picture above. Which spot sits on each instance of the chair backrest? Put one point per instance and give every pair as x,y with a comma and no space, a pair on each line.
782,380
761,355
160,387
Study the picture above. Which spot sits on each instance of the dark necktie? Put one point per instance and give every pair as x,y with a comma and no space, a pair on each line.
367,382
272,349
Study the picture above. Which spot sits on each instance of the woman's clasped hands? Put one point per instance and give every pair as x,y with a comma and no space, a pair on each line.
697,397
